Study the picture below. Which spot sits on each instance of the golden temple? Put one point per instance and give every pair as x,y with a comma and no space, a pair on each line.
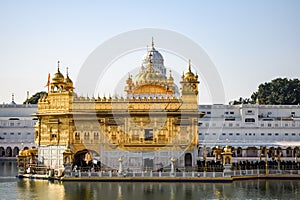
153,123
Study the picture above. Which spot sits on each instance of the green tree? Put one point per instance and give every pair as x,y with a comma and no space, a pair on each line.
35,98
280,91
241,101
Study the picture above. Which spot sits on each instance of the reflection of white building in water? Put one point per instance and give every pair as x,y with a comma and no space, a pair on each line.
16,128
250,128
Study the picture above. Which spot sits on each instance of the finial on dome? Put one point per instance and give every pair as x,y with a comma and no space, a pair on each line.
152,43
58,66
67,70
170,73
150,61
189,65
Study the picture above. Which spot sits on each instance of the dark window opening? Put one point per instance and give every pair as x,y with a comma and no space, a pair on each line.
249,120
53,136
148,134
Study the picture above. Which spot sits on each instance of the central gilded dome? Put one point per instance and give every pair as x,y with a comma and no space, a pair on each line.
151,80
150,76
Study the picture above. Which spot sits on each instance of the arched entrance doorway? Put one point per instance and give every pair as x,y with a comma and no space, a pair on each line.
251,152
148,164
2,152
188,162
239,152
289,152
8,152
83,160
16,151
233,152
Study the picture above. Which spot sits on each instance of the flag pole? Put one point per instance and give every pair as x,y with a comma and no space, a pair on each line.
48,82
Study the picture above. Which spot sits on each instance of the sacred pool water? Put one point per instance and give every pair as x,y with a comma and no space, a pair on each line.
13,188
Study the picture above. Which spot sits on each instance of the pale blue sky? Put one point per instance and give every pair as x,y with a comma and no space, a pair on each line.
250,42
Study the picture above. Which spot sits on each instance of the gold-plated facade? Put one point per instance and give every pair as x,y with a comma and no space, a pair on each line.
150,118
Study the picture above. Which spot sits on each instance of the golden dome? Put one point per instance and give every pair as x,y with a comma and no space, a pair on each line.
68,81
152,79
150,76
189,74
58,77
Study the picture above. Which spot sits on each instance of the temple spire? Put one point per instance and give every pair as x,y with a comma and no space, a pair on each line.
152,43
13,99
67,70
190,65
58,66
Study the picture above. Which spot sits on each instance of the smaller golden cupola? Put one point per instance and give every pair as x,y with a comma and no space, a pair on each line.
129,84
189,75
68,81
170,79
58,77
189,82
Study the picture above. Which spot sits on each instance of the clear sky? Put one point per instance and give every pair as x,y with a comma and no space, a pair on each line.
250,42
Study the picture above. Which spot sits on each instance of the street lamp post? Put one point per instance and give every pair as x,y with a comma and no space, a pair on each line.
267,170
204,158
278,158
172,166
120,166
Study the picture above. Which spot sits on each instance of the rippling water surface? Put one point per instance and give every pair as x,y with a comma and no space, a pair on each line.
12,188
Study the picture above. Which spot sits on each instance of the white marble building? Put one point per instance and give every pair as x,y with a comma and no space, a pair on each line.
249,128
16,128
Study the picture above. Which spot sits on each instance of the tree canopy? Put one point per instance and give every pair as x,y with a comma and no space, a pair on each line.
35,98
280,91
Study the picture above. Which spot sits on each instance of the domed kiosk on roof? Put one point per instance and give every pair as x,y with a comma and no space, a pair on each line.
58,77
59,82
68,82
